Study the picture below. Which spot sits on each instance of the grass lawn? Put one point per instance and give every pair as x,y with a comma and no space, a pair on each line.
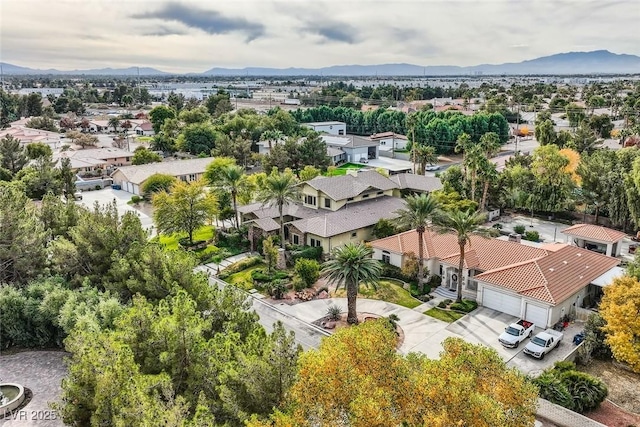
440,314
242,279
171,241
342,169
387,290
144,139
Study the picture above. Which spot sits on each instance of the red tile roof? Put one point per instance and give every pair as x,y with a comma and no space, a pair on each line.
554,277
482,253
594,232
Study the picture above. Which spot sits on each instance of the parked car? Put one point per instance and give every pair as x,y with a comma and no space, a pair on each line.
431,168
515,333
77,195
363,160
543,343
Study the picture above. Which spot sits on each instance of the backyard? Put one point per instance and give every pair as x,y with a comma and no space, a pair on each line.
342,169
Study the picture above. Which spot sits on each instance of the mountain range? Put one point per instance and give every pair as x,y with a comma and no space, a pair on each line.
594,62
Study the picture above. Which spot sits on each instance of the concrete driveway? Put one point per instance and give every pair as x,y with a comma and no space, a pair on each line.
108,195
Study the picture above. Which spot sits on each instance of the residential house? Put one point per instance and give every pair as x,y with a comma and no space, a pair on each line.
333,210
356,148
540,284
412,183
131,178
26,135
144,129
390,141
139,126
331,128
96,159
596,238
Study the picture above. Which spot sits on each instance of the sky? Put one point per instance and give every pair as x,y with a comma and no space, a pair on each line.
193,36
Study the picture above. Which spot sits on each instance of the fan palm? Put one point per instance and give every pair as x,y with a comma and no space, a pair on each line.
280,189
114,123
417,214
464,224
349,266
232,180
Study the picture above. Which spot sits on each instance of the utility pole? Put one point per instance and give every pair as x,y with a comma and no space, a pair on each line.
517,128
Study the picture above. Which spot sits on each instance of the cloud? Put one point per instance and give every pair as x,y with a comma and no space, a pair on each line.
333,31
209,21
162,31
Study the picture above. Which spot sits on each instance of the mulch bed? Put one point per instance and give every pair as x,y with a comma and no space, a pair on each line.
362,317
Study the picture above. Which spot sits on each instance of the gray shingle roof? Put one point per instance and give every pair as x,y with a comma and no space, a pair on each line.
290,209
343,187
416,182
351,217
267,224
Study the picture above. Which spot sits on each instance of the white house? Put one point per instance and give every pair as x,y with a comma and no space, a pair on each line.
356,148
390,141
332,128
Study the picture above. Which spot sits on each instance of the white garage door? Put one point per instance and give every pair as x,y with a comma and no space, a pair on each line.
501,302
536,314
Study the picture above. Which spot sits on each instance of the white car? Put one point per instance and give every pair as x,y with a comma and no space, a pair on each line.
432,168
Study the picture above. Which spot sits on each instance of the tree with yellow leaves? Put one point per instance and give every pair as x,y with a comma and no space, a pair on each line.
357,379
619,308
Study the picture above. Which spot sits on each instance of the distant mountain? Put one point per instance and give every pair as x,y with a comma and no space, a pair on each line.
131,71
596,62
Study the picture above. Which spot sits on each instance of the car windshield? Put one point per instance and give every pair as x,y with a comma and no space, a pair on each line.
512,331
539,341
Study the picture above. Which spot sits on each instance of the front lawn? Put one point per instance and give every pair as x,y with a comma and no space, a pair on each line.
242,279
171,241
444,315
144,139
387,290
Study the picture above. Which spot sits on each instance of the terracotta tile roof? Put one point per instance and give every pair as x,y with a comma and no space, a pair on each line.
345,186
554,277
594,232
482,253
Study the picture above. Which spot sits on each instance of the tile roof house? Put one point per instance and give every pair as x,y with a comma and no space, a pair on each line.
131,178
596,238
332,210
96,158
540,284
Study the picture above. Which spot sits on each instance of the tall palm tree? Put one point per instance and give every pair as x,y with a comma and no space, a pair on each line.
417,214
272,136
464,224
463,144
349,266
490,143
280,189
232,180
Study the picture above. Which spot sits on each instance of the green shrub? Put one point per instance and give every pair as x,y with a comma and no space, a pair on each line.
334,312
136,199
308,270
276,289
532,236
394,272
307,252
587,391
240,265
442,304
435,281
415,291
448,301
466,306
520,229
554,390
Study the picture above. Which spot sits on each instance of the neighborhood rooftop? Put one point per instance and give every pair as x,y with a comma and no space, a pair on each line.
411,181
554,277
594,232
139,174
346,186
351,217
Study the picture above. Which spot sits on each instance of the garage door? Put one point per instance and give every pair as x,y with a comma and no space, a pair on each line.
501,302
536,314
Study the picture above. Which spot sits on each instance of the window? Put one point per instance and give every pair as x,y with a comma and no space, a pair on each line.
365,196
296,239
128,158
354,234
386,257
380,193
349,199
327,203
341,132
441,271
192,177
314,243
310,200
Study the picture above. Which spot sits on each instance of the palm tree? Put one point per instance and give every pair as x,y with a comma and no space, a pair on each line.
272,136
114,122
349,266
463,144
490,143
280,189
232,180
418,214
464,224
